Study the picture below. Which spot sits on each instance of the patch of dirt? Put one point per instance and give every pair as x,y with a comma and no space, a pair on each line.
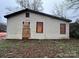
40,49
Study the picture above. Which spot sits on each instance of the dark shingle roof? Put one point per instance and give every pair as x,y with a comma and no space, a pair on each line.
37,12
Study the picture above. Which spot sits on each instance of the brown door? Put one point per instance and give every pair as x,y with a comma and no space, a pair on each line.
26,30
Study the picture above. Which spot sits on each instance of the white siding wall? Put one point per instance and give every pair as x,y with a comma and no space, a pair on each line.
51,27
14,27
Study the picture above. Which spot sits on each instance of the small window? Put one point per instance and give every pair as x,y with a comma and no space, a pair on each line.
39,27
27,14
62,28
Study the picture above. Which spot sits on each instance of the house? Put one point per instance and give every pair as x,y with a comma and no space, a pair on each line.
36,25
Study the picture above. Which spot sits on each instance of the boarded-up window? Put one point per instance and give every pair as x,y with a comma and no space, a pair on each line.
39,27
62,28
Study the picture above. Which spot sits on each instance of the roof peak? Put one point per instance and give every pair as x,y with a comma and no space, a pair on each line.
37,12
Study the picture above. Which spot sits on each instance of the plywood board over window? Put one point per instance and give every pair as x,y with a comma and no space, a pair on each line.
26,30
62,28
39,27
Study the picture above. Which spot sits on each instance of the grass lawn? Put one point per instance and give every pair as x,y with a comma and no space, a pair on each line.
39,48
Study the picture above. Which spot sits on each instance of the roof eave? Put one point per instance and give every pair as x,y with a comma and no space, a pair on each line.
21,11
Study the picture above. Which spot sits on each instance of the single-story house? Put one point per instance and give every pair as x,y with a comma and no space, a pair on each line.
32,24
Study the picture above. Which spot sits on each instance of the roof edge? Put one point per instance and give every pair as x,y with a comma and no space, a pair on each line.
37,12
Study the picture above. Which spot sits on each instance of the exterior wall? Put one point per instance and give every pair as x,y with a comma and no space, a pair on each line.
51,28
14,26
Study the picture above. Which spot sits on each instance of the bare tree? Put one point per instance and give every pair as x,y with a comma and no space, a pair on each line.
24,3
60,10
31,4
73,4
12,9
77,20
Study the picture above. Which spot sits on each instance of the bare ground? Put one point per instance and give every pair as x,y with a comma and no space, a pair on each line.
39,48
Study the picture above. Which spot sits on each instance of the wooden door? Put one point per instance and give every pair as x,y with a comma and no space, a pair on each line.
26,30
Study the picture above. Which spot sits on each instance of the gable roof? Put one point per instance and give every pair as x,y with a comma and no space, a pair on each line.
36,12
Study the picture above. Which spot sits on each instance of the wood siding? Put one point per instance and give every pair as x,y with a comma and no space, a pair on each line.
51,27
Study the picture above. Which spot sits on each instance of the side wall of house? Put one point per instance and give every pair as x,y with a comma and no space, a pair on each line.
14,26
51,27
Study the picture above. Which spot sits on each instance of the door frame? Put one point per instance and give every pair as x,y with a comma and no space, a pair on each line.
23,30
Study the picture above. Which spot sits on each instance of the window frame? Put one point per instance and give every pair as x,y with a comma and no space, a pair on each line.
37,26
64,29
27,14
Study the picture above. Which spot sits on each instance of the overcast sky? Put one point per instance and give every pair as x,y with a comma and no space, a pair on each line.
48,5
